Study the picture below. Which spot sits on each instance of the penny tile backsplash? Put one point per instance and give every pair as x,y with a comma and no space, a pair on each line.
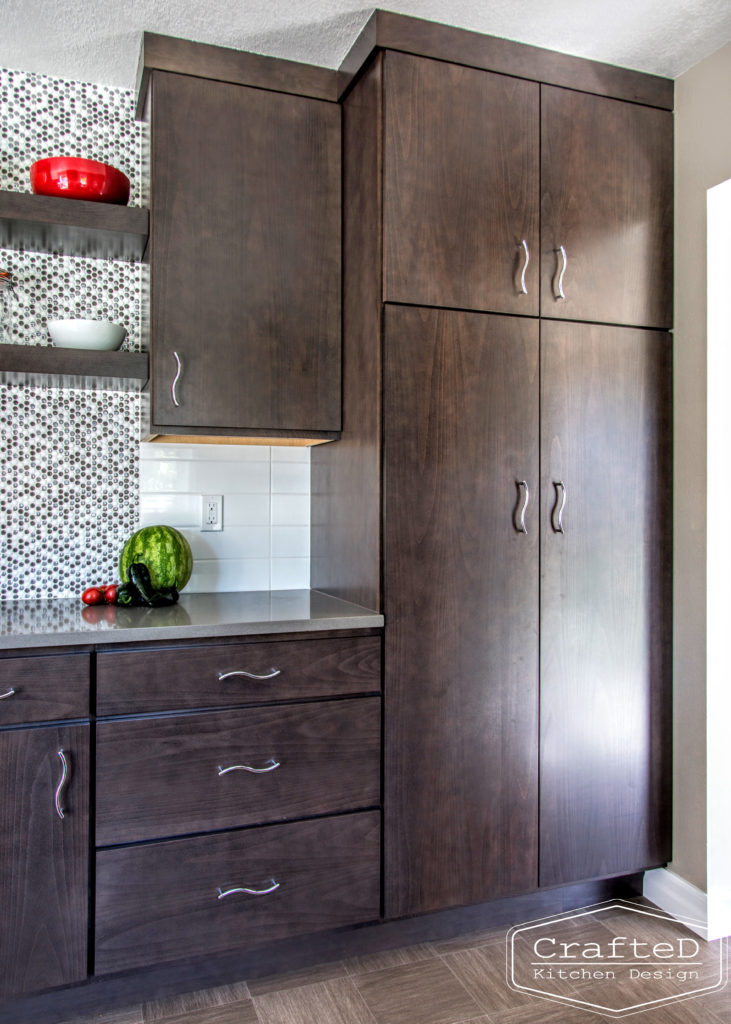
75,480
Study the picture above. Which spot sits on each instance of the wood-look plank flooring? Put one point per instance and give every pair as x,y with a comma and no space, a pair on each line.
455,981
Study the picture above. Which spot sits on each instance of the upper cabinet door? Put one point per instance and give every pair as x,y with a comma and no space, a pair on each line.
460,187
607,208
245,257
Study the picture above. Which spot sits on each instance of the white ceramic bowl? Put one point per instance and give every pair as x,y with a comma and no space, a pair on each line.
89,334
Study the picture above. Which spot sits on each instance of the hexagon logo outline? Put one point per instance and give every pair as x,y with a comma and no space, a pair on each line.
598,1008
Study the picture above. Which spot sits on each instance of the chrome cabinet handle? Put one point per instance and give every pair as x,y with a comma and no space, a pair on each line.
62,783
558,506
526,261
249,675
222,894
247,768
10,693
522,509
559,292
175,381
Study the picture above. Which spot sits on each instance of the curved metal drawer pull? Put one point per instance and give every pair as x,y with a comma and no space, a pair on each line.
520,525
253,892
246,768
526,261
249,675
175,381
10,693
557,519
559,294
62,783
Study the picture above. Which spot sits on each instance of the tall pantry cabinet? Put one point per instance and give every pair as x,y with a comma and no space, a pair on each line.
504,468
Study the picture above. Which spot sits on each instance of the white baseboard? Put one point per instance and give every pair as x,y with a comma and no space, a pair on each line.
679,898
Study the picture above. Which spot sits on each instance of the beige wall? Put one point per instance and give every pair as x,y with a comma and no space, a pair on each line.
702,160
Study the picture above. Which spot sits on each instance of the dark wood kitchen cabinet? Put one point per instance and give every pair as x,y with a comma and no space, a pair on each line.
463,181
245,261
44,857
607,201
461,602
606,519
460,186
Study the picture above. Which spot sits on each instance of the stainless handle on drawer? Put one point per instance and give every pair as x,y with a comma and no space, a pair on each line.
526,261
10,693
253,892
249,675
520,525
559,293
173,393
558,506
62,782
246,768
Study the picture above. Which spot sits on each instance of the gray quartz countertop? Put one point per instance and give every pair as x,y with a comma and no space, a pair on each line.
69,622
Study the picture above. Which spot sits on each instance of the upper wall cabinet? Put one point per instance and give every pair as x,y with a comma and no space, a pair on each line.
606,211
245,260
460,189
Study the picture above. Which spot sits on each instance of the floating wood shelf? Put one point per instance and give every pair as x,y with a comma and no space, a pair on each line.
41,366
73,227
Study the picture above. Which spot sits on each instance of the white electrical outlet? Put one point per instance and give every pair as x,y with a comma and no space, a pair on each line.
211,511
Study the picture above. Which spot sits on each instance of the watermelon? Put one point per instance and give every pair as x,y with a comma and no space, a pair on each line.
165,552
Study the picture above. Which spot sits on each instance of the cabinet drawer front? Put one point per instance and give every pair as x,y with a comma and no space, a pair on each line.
161,902
42,689
167,777
130,682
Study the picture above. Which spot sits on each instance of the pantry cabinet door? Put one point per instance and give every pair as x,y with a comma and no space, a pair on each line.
606,514
460,187
44,858
461,606
607,200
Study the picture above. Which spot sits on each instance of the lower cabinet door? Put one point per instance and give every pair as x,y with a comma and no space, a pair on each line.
44,858
189,897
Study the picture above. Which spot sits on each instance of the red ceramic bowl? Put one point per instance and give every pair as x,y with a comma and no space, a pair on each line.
76,178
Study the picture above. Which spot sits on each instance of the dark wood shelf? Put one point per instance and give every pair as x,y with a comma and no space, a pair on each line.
41,366
73,227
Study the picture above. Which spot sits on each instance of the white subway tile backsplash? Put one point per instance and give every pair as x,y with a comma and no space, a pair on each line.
290,478
231,542
290,573
290,510
290,542
171,508
265,541
223,574
290,453
246,510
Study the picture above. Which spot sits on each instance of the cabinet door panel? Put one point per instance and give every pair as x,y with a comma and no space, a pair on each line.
605,593
607,198
461,603
44,860
245,257
460,186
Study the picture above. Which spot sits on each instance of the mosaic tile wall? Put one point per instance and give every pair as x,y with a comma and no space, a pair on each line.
70,459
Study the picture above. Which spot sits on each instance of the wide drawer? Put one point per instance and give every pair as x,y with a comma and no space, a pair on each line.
162,777
44,688
130,682
163,901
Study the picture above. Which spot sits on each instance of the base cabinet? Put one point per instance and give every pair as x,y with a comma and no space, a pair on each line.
44,857
188,897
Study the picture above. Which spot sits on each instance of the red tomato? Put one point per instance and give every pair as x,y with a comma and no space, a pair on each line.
110,593
92,595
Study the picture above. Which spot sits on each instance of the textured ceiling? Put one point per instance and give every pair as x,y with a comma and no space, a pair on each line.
98,41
